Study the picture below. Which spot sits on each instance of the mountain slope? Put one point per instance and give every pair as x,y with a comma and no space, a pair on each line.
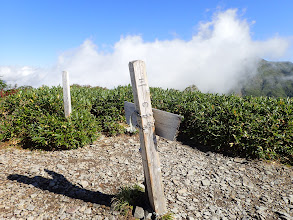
274,79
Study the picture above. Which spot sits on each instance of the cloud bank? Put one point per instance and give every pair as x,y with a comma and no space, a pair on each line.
219,55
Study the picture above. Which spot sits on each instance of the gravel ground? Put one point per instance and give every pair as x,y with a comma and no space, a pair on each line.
79,184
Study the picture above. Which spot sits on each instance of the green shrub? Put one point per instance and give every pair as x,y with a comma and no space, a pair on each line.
36,117
257,127
109,109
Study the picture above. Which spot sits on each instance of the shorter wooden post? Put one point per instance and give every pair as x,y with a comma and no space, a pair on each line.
66,94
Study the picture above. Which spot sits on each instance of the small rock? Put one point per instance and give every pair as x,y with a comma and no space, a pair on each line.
291,199
207,214
191,208
214,217
63,216
35,169
61,211
241,168
30,207
233,195
176,182
84,183
238,160
17,212
180,198
205,182
261,211
60,166
130,140
247,182
181,191
82,209
88,211
34,195
139,212
98,217
148,215
72,210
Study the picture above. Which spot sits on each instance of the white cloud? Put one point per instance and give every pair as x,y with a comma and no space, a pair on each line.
219,55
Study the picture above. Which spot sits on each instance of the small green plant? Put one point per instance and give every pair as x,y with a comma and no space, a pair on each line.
168,216
127,198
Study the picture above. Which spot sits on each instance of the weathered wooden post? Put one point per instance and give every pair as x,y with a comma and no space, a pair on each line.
66,94
150,156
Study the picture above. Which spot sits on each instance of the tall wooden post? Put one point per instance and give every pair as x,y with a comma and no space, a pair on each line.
66,94
150,156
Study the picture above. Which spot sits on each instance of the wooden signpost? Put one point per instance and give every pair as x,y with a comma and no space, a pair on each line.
166,123
146,124
66,94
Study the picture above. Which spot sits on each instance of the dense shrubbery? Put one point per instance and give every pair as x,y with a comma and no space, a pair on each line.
35,117
109,109
252,127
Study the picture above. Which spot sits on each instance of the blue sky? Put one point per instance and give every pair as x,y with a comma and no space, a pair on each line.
35,33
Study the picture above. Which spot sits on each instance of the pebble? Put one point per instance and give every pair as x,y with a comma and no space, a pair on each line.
79,184
30,207
181,191
88,211
205,182
72,210
84,183
139,212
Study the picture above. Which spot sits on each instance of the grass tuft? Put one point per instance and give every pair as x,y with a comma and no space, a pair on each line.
127,198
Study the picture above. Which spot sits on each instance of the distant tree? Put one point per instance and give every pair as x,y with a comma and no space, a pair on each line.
3,85
24,87
191,88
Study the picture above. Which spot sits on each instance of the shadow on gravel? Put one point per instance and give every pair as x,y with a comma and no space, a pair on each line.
60,185
204,148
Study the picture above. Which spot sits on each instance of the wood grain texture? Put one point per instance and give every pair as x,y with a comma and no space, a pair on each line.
150,156
66,94
166,123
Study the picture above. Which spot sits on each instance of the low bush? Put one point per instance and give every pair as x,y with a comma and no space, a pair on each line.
256,127
36,118
108,108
